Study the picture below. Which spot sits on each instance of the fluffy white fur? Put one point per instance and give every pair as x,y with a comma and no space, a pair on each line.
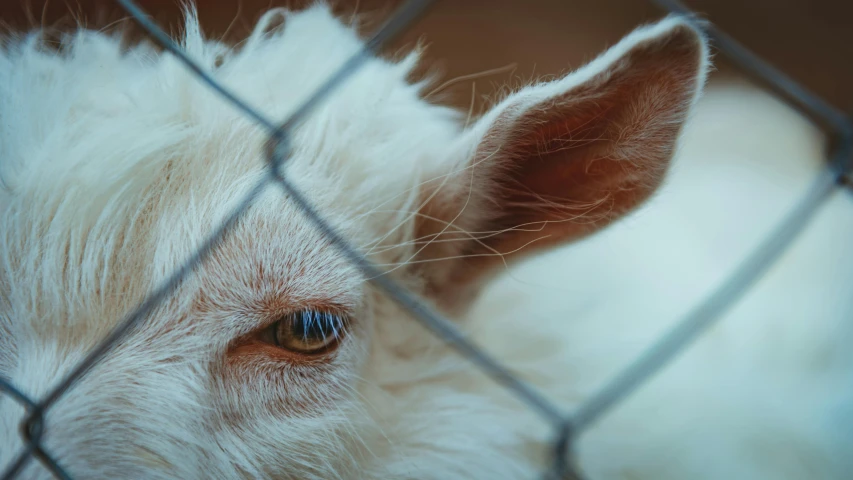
116,165
765,393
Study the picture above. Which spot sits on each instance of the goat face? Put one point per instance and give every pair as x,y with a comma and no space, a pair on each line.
275,358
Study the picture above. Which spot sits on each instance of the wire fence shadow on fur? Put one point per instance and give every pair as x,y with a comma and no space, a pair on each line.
566,426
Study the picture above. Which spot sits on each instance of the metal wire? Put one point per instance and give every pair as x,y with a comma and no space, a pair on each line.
706,313
566,427
21,461
280,150
817,109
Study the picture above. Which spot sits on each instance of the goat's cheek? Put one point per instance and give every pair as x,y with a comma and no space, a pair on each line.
258,384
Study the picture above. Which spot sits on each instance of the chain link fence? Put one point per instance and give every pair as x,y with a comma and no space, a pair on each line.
566,427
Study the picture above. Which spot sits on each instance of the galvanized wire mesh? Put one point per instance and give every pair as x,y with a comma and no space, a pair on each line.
567,426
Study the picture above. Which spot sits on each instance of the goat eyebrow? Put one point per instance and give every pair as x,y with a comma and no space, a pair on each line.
270,307
272,315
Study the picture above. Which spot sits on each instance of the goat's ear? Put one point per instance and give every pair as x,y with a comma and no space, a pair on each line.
559,160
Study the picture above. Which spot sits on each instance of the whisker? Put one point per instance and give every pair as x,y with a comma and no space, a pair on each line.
472,76
471,106
444,178
454,257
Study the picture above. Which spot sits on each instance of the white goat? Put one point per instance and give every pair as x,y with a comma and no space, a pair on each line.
276,359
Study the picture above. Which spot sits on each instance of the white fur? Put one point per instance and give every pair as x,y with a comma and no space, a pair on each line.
763,394
116,166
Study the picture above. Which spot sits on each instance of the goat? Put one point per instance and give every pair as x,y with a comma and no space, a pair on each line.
276,358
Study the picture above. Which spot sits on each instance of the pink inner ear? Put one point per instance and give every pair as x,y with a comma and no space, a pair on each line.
583,159
568,164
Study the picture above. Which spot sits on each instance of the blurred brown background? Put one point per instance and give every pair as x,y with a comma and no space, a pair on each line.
811,40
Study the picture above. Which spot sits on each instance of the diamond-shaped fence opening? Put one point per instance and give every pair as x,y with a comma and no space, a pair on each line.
566,426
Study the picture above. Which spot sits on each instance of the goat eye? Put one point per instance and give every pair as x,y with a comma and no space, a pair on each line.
308,331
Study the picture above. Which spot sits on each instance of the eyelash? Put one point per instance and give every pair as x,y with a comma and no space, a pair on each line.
321,332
